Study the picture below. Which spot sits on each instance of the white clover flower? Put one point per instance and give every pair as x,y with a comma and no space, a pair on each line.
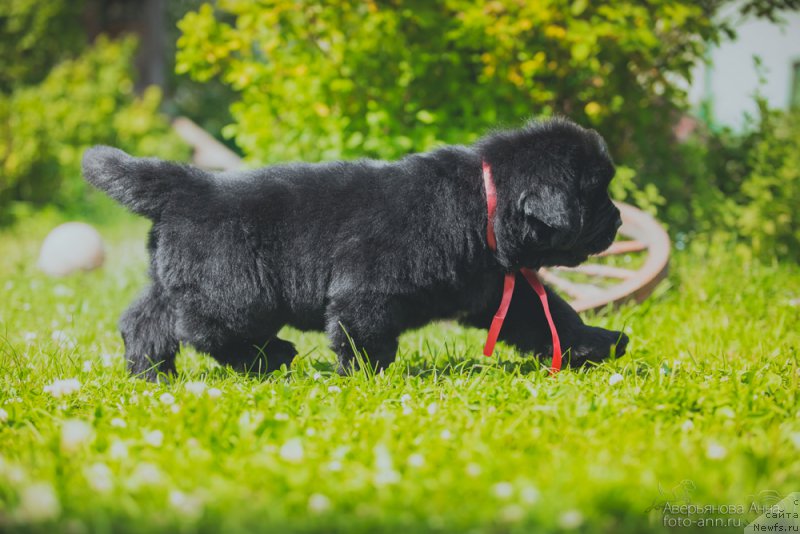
615,379
87,366
3,416
12,472
175,408
145,474
292,451
794,437
386,478
99,477
687,425
29,337
318,503
280,416
62,338
196,388
570,520
214,393
147,393
473,469
503,490
512,513
167,399
416,460
107,359
446,434
154,438
61,290
189,506
334,389
316,376
75,434
385,473
334,466
529,494
248,422
38,503
118,423
118,450
432,408
404,400
63,387
383,458
715,451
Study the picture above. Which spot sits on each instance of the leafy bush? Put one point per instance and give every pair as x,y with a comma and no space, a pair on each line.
741,184
384,78
770,194
82,102
35,35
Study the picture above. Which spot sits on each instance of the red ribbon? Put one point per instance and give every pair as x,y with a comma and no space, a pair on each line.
509,280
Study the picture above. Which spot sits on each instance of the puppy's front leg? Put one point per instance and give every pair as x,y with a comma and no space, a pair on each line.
585,343
526,327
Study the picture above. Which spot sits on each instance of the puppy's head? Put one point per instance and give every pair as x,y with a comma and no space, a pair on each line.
552,187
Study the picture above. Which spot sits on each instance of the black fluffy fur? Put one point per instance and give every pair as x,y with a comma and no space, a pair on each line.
365,249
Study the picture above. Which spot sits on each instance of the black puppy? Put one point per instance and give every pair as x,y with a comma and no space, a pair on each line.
365,249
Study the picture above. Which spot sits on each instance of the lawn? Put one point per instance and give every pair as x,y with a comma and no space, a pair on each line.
703,410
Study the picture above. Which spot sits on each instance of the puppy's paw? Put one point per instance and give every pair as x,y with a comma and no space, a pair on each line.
597,344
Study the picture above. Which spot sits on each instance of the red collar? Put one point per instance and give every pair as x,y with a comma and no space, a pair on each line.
510,278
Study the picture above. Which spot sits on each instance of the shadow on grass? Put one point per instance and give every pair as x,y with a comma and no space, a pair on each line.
432,362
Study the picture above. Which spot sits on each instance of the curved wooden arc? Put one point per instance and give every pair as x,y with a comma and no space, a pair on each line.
606,271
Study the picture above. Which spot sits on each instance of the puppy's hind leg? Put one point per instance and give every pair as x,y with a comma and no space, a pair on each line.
148,330
250,348
254,358
364,323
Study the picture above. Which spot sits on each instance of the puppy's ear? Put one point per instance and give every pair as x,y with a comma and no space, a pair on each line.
550,207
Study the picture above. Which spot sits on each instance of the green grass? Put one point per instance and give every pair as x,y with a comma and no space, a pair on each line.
706,412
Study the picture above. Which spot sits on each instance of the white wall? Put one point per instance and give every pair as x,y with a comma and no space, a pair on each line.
732,79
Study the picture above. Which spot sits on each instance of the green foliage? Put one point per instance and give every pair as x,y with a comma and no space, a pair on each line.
34,36
82,102
709,397
208,102
770,192
382,78
741,184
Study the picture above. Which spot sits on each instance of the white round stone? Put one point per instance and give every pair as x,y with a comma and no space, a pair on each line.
71,247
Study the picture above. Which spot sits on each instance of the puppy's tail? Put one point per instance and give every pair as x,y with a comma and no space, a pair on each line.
143,185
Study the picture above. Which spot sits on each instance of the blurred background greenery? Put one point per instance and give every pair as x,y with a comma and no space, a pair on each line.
294,79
